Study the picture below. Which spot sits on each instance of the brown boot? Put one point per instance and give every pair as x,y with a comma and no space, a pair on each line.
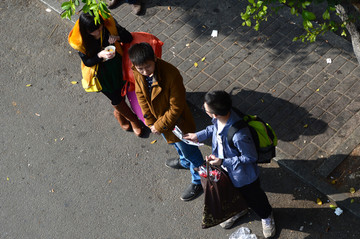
125,111
113,3
124,123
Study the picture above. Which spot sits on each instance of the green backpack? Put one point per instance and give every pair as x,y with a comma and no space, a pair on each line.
263,135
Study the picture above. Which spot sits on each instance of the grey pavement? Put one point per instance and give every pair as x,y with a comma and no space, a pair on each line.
68,170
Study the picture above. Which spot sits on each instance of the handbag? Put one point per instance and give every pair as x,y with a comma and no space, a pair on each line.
94,84
222,199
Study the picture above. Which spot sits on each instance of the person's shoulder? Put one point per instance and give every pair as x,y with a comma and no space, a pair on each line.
166,67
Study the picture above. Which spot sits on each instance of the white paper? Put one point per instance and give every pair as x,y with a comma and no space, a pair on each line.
214,33
179,134
328,60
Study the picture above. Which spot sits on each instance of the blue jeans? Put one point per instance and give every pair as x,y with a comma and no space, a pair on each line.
190,157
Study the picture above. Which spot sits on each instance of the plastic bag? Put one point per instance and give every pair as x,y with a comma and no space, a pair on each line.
242,233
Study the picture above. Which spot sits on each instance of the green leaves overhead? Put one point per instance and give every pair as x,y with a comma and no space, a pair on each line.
93,7
257,11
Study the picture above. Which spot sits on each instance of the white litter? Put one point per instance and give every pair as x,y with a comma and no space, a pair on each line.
328,60
214,33
242,233
48,9
338,211
301,228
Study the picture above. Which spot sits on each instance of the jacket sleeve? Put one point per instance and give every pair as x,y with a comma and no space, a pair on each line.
205,133
245,145
177,101
89,61
148,116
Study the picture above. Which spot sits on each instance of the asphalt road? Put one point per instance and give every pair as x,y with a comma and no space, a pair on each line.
67,170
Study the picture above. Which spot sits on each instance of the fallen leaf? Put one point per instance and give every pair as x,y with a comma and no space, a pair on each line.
306,125
318,201
136,155
262,101
333,181
8,179
74,82
196,64
187,44
332,206
69,52
52,190
153,142
13,103
169,8
352,190
61,139
203,59
317,89
352,200
37,114
110,181
28,85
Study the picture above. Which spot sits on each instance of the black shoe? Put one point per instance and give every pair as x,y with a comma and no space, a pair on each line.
174,163
191,192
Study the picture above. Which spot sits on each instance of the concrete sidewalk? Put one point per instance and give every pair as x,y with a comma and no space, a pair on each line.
311,104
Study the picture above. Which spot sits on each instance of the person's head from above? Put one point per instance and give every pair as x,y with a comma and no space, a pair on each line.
142,56
88,27
217,103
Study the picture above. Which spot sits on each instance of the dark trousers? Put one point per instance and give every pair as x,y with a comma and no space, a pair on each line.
256,199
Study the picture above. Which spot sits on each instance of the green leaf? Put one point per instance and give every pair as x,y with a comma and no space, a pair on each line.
343,33
259,3
251,1
86,8
308,15
326,15
248,23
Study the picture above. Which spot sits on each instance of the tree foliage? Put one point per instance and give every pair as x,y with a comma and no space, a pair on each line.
258,11
93,7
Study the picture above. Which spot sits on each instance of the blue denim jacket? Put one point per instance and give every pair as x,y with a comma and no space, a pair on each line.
242,167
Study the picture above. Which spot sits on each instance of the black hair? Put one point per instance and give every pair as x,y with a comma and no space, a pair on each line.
219,102
140,53
87,25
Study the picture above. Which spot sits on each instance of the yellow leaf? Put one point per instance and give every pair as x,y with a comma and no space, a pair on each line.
28,85
318,201
352,190
203,59
333,181
332,206
153,142
196,64
169,8
306,125
110,181
8,179
352,201
262,101
74,82
317,89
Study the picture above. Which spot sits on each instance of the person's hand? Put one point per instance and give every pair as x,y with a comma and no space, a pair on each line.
113,39
213,160
153,130
191,137
106,55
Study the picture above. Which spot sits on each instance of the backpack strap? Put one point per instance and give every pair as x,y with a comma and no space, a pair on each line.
232,131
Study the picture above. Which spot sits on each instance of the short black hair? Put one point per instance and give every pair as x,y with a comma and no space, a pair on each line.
140,53
219,102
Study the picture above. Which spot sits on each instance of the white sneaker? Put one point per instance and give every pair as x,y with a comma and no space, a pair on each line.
228,223
268,225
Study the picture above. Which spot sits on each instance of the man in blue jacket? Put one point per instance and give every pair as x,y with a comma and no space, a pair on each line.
240,163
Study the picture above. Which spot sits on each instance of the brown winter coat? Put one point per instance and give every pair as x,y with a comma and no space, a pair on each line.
166,106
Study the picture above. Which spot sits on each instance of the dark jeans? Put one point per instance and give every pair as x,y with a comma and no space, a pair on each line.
256,199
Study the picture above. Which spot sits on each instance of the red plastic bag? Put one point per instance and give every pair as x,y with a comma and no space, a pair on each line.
138,37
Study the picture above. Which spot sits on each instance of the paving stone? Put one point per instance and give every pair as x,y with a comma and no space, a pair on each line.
231,51
295,73
278,89
311,102
353,92
341,119
301,96
198,80
265,60
282,59
185,65
321,139
338,106
181,32
256,55
317,82
214,54
354,106
317,67
288,148
207,85
276,77
239,57
161,26
348,128
332,144
222,71
189,50
173,27
223,83
205,48
300,83
287,94
345,70
307,151
329,86
247,76
214,66
329,100
265,73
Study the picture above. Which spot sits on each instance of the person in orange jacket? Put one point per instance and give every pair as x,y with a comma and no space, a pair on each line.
90,39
